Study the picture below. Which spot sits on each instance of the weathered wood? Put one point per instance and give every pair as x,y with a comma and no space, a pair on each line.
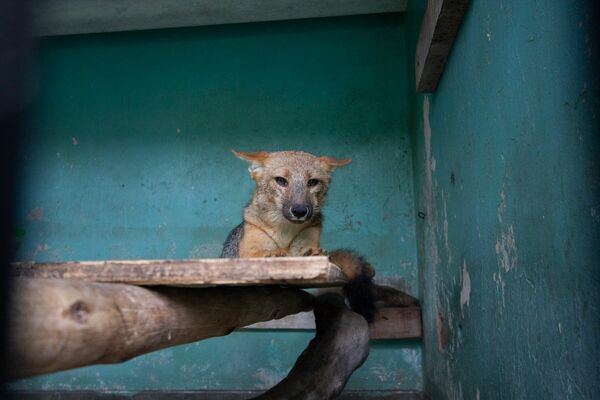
398,316
439,28
291,271
397,323
389,323
340,346
59,17
392,297
61,324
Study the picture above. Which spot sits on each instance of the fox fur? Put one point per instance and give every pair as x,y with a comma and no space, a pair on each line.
284,218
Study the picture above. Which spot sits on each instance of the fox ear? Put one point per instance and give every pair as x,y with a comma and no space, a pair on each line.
257,160
258,157
334,163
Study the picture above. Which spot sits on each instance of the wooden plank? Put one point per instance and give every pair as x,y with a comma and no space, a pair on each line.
397,323
439,28
389,323
63,17
58,324
291,271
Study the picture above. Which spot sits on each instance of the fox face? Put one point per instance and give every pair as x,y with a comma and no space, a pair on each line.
290,185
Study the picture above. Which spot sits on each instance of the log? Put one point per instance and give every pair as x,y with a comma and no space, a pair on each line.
340,346
290,271
57,324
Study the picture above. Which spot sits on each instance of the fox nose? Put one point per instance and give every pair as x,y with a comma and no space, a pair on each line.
299,211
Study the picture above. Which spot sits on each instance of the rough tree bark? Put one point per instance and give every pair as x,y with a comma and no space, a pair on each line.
340,346
58,324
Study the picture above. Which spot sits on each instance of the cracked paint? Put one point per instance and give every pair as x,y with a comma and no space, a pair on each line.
506,248
428,187
465,291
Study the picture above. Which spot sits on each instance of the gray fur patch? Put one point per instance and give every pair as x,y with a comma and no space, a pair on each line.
232,243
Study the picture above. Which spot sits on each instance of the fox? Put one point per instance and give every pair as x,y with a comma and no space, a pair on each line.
284,218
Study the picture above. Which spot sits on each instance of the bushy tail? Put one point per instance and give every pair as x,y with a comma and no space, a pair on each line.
359,289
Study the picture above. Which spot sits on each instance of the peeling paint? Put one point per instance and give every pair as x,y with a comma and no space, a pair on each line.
445,230
465,292
428,187
506,248
528,217
500,285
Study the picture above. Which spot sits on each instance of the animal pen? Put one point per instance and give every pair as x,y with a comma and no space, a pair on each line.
473,132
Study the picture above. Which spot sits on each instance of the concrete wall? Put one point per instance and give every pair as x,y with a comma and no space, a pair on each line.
506,176
128,157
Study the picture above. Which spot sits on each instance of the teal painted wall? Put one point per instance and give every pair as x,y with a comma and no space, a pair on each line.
506,169
128,157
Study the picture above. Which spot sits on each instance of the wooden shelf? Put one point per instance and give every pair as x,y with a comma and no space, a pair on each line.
289,271
302,272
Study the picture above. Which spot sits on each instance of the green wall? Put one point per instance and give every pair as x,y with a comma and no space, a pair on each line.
506,171
128,157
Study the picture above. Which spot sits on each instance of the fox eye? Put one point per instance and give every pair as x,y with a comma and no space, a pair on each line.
281,181
312,182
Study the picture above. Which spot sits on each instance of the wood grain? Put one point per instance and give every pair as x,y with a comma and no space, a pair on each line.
290,271
58,324
439,28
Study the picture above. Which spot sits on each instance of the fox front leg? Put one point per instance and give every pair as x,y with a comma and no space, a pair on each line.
310,251
307,243
256,243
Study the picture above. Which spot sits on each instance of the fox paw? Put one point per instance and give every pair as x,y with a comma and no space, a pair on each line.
314,252
275,253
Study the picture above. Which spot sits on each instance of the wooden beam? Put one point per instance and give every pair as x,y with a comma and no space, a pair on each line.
57,324
397,323
290,271
340,346
439,28
389,323
63,17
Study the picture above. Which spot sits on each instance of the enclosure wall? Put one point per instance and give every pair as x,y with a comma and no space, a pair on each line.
129,157
506,182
